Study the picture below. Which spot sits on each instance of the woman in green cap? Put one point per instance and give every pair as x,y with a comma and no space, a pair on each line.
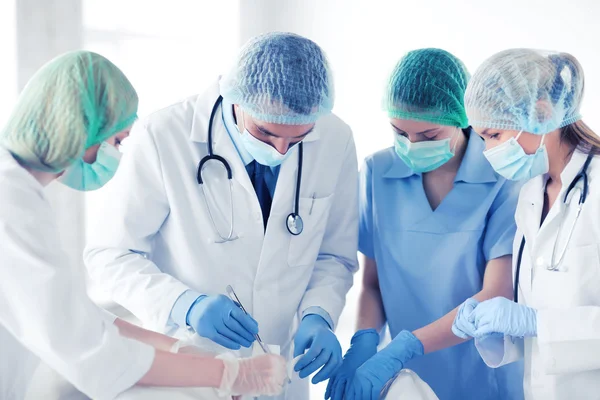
68,121
436,228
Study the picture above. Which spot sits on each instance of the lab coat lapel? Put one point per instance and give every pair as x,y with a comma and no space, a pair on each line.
283,198
528,216
224,147
530,209
548,230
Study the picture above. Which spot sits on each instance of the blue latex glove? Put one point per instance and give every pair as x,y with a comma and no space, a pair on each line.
371,377
222,321
362,347
500,315
323,347
461,326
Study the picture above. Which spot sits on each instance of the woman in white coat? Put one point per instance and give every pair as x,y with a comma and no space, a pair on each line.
68,122
525,105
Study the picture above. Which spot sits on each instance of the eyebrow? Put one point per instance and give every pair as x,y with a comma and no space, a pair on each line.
266,132
418,133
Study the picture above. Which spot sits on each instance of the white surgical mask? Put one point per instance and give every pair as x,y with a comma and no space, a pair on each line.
510,160
262,152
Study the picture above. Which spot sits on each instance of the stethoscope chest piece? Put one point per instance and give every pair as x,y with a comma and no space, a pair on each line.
294,223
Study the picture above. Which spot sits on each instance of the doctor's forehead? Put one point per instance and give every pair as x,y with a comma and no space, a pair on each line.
282,130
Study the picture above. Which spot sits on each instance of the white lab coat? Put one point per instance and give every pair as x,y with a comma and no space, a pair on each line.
154,238
45,313
563,361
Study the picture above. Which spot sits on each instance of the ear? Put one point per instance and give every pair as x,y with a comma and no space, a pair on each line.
543,111
91,153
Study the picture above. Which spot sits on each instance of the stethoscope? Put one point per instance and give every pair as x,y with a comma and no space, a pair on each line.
554,264
294,222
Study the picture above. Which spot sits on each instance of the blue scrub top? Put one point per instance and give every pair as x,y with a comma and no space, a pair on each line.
429,262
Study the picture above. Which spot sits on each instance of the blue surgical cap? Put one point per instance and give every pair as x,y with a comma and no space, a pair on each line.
280,78
522,89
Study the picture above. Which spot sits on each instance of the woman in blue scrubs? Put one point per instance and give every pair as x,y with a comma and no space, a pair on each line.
436,228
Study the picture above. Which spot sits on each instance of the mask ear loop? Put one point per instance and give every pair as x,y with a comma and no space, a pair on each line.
243,121
519,135
456,141
542,142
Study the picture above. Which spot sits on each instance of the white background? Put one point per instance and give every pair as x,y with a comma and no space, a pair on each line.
172,49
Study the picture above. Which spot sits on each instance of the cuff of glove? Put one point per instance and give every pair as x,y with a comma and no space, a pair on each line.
321,313
187,315
533,324
230,372
407,345
315,318
366,335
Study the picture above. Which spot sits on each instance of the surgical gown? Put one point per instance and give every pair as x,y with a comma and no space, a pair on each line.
429,262
45,313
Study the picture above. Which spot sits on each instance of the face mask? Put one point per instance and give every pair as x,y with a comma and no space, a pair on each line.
510,160
423,156
85,177
263,153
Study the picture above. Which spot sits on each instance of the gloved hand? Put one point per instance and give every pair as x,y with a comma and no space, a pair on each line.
262,375
461,326
500,315
362,347
222,321
371,377
324,350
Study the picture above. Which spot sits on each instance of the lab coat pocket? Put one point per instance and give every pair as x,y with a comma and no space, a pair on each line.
304,248
577,277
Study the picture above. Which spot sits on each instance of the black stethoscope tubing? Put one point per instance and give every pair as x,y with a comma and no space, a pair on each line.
582,175
211,156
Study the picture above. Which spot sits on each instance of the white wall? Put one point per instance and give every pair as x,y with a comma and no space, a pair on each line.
8,52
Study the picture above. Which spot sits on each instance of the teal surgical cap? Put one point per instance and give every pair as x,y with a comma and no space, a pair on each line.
428,85
526,90
74,102
281,78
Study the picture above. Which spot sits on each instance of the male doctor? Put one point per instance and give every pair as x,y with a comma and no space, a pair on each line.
282,231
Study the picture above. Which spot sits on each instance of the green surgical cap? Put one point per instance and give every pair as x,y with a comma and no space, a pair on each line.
428,85
74,102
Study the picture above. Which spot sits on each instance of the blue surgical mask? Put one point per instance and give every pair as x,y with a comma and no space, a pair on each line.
263,153
423,156
86,177
510,160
